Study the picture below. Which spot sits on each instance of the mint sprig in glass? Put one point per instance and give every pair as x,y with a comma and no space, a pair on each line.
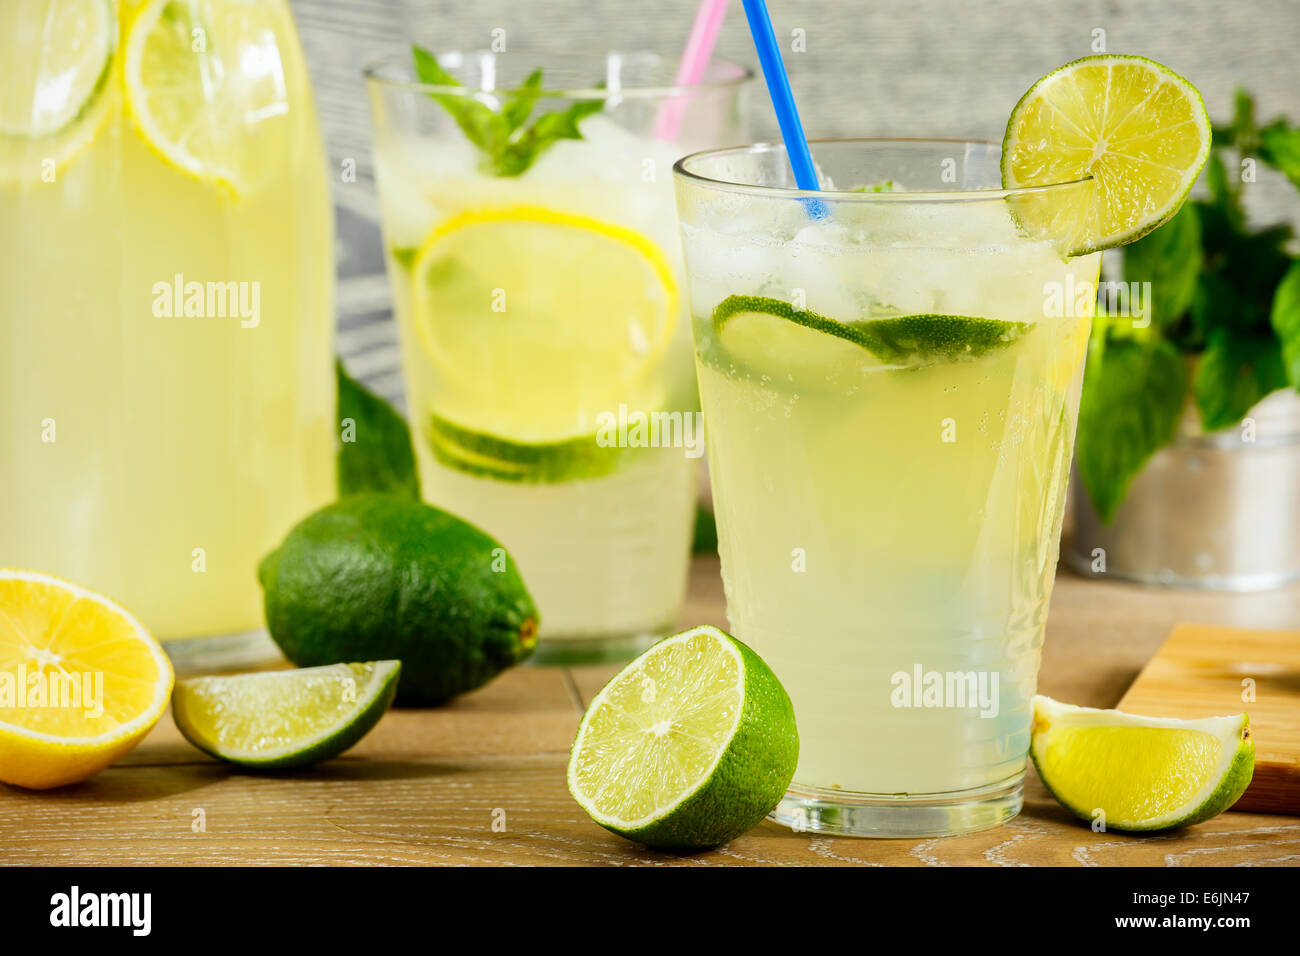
508,141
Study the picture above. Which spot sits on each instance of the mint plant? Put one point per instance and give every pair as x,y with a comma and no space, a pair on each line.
1221,291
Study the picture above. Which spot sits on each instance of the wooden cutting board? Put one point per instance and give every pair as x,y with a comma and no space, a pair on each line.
1203,671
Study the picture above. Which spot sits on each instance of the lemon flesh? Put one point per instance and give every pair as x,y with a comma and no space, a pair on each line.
1140,773
536,320
1138,129
53,634
690,745
285,719
206,87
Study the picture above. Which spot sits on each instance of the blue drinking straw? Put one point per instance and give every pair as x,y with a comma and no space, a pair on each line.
778,87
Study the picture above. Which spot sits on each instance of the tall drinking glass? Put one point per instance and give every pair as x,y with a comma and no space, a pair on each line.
890,375
532,246
166,283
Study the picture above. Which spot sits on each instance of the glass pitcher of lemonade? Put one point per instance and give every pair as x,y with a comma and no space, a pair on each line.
166,283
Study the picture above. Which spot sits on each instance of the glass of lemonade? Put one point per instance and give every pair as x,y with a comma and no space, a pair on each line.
532,245
166,277
890,374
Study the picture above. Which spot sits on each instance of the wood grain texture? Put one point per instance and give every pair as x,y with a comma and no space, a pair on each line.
1201,672
481,782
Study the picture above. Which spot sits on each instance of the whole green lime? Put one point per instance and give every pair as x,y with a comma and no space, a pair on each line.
378,576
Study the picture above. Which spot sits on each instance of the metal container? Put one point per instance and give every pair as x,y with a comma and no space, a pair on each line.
1218,511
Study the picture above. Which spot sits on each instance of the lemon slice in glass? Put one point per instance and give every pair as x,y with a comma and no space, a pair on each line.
535,321
206,87
1137,128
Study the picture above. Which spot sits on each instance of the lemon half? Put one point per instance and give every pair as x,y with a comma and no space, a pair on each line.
81,680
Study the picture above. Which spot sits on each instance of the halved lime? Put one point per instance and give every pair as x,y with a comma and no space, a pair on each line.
56,56
503,459
771,335
278,720
689,746
1140,773
205,82
536,320
1136,127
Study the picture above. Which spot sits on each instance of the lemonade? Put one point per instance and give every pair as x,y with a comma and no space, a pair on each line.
890,387
166,270
537,285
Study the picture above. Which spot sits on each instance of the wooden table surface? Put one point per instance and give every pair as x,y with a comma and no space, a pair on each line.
481,782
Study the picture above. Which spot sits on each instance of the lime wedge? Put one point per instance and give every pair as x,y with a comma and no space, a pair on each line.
219,113
536,320
56,56
771,335
490,456
689,746
278,720
1140,773
1137,128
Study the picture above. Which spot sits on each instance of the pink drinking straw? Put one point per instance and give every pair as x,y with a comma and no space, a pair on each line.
695,60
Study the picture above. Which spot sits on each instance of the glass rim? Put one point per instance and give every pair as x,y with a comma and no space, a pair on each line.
681,171
739,75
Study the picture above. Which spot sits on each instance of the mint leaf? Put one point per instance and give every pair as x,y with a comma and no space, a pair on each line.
1285,319
1215,306
706,531
520,106
1133,395
1279,146
1170,259
405,255
1235,372
482,125
380,457
508,148
546,130
1224,195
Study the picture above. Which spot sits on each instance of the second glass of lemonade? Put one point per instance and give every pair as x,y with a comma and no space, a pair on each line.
890,374
536,270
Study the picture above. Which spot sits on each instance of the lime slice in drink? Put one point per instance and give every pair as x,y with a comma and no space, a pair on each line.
689,746
56,56
206,87
490,456
1136,127
772,336
536,320
1140,773
278,720
913,339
